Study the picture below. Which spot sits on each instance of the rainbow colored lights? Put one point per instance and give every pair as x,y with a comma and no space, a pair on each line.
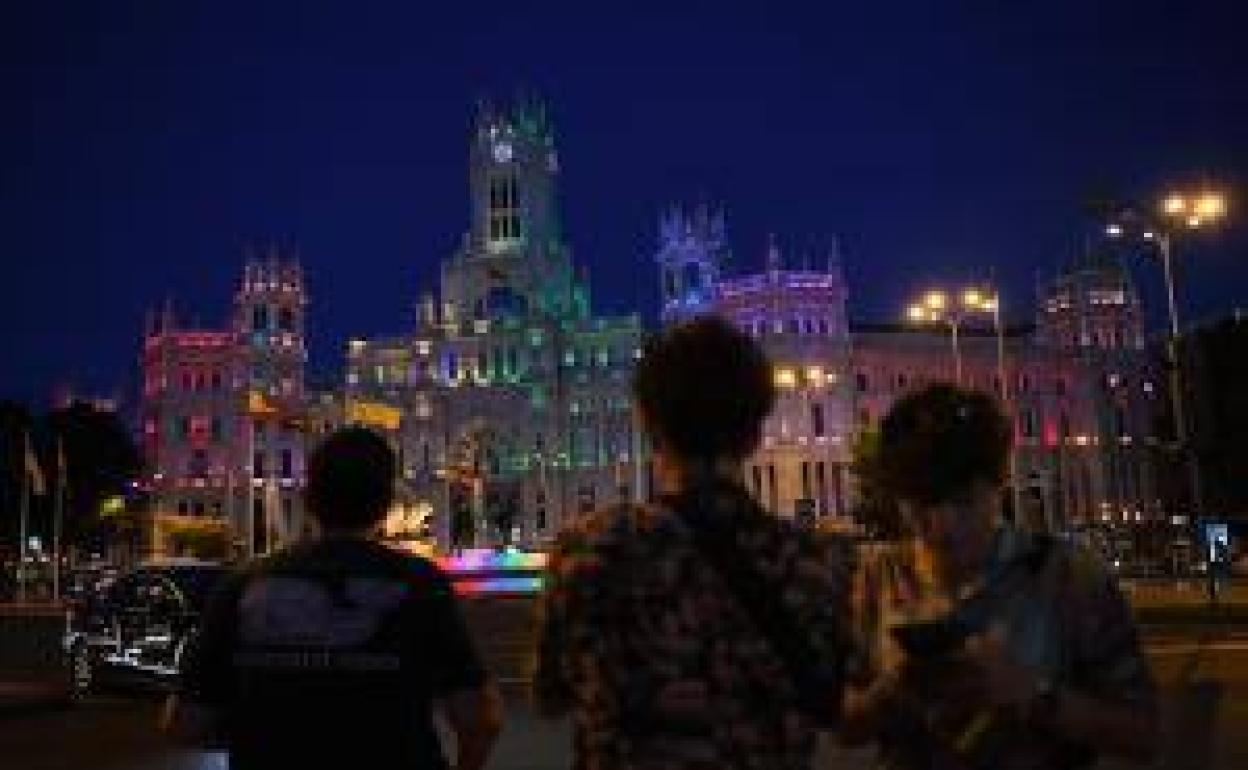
485,560
482,571
499,585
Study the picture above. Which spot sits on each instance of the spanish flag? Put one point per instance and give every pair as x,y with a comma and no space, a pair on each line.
34,474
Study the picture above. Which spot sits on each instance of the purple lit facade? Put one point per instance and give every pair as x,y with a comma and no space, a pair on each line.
1078,384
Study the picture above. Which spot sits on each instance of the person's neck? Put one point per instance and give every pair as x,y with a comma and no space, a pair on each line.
347,534
677,476
966,568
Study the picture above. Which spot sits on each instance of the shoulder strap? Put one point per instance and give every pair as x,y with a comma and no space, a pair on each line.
810,675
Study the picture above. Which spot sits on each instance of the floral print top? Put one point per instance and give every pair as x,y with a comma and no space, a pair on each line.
658,662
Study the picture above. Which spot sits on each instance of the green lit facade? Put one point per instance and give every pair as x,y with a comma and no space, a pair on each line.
514,397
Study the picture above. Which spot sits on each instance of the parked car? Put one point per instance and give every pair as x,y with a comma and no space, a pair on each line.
135,630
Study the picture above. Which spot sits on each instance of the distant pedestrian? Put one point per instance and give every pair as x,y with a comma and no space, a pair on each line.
335,653
989,647
700,631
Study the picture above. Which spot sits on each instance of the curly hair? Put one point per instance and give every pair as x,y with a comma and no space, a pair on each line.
704,389
936,443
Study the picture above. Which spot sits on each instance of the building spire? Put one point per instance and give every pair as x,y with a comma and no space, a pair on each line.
773,253
167,320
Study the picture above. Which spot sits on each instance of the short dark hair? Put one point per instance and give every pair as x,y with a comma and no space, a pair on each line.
350,479
704,389
936,443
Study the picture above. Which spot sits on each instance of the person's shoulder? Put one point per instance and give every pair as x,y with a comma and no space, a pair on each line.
607,526
412,567
607,535
805,541
1087,568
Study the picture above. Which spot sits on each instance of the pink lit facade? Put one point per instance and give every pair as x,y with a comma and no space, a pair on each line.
220,415
1078,387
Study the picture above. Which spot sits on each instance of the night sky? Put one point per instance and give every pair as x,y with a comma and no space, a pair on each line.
144,144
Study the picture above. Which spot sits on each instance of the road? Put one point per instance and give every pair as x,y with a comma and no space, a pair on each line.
115,732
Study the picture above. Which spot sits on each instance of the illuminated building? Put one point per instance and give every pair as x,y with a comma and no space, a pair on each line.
1078,385
801,467
220,414
512,397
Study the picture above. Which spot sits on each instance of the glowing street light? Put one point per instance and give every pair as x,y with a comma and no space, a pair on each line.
932,310
1210,206
935,300
1178,211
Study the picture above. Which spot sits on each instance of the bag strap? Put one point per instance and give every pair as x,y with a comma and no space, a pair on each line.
752,592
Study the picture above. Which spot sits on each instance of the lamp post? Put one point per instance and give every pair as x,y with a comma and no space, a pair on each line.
1177,212
934,308
937,307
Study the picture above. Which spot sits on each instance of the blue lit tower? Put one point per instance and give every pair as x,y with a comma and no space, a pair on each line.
692,254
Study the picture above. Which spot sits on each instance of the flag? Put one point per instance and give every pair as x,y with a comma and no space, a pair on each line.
34,473
62,468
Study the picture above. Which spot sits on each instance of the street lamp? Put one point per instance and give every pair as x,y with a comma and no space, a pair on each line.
937,307
1179,211
934,308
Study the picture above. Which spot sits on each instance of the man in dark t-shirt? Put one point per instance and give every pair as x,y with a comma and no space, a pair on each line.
337,652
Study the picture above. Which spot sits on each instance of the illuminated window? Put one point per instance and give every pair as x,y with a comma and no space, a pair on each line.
816,420
504,212
1029,423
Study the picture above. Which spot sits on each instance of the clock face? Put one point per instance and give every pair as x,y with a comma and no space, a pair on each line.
502,152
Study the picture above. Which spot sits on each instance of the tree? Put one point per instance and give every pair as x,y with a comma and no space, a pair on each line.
101,462
1217,357
15,424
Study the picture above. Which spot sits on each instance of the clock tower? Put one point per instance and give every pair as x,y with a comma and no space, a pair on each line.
512,261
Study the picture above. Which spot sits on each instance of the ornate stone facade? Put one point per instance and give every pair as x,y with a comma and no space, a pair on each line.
1077,383
220,415
511,397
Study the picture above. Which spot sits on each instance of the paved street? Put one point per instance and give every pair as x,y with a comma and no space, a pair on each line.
115,732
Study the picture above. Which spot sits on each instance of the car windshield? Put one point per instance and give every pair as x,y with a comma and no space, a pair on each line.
197,583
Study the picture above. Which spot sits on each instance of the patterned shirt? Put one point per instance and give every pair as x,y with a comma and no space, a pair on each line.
659,663
1063,616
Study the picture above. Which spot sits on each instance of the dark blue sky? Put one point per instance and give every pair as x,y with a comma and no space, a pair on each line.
144,143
